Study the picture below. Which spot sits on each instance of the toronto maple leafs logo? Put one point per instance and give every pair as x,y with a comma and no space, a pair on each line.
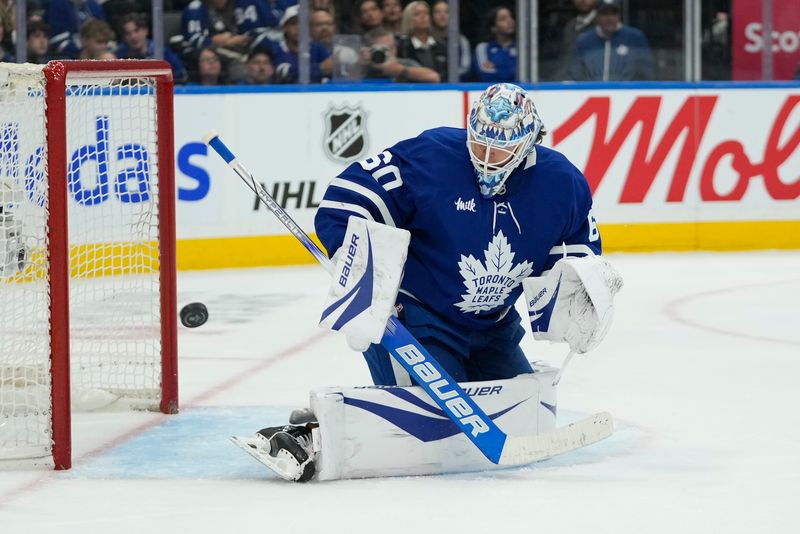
488,284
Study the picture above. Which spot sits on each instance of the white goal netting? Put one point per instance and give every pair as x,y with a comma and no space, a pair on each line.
113,241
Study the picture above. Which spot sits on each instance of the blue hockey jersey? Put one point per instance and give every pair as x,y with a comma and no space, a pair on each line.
259,15
504,61
287,63
199,24
624,56
253,17
65,18
468,255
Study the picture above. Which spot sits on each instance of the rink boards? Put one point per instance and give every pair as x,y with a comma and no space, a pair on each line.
672,167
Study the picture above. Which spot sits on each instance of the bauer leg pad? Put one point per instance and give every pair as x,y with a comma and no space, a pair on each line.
400,431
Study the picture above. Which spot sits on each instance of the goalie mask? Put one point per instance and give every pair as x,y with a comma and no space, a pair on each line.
502,128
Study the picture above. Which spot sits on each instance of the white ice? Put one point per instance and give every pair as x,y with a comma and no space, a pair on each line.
700,369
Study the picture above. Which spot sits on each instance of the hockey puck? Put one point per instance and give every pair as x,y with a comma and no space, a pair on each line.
194,314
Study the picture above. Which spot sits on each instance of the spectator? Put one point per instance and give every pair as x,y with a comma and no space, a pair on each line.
260,19
65,18
322,28
613,52
584,21
136,45
440,21
209,67
716,49
38,42
96,38
392,15
381,61
496,60
285,53
324,5
259,69
5,53
418,43
7,18
370,15
211,23
117,10
106,55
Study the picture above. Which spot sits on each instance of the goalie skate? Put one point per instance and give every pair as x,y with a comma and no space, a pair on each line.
286,450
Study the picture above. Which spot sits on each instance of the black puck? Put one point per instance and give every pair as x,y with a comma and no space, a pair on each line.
194,314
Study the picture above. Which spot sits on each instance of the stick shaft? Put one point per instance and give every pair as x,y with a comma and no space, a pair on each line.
557,379
270,202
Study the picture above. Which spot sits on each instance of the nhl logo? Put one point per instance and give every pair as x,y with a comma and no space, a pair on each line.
345,134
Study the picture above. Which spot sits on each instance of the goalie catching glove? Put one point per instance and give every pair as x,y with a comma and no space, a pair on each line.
369,267
573,302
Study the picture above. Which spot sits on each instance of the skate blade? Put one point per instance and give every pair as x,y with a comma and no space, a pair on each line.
281,466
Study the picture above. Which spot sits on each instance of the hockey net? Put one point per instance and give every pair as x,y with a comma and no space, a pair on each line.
87,309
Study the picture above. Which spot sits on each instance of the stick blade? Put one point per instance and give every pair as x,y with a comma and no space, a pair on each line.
521,450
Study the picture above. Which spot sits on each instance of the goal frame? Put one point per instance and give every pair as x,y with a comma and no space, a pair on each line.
56,74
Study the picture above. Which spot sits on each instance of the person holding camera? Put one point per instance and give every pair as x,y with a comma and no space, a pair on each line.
381,61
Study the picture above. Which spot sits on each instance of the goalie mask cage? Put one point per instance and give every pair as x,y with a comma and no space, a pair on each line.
87,263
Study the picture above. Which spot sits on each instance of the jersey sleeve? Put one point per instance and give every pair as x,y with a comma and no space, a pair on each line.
179,72
195,25
581,236
480,65
373,189
62,19
255,16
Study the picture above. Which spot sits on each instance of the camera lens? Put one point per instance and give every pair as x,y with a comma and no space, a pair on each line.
378,56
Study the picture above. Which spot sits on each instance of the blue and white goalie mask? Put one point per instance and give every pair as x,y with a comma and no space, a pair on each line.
501,130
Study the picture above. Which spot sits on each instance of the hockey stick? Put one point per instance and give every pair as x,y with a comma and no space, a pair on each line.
564,365
498,447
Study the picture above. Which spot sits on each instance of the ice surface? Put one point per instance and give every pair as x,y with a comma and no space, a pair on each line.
700,369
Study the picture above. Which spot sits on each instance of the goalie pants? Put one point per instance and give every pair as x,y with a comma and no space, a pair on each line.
467,355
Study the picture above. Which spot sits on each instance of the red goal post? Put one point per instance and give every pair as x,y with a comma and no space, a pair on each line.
87,248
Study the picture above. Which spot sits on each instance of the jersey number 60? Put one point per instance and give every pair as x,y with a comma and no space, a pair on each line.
382,160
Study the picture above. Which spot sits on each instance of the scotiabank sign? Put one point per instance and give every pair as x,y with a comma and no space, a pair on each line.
750,39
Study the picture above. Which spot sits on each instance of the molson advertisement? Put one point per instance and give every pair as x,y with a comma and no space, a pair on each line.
682,170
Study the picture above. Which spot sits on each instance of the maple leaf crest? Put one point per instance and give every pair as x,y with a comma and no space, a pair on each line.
489,283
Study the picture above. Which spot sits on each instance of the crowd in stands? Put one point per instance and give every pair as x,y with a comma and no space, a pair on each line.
257,41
